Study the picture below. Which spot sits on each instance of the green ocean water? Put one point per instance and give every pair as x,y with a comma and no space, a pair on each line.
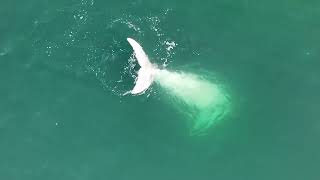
65,65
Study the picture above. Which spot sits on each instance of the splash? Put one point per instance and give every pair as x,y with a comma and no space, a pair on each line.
201,101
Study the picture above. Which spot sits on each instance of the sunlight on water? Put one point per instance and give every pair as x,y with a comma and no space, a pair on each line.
200,100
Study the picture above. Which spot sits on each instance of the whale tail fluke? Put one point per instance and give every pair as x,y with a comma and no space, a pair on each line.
145,73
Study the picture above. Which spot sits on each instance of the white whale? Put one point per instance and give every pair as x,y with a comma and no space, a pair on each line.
207,102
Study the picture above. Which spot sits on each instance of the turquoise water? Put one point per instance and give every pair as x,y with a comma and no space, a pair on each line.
65,65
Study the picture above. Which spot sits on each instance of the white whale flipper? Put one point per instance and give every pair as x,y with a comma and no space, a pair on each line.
146,72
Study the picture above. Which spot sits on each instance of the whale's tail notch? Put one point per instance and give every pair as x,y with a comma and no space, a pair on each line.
145,73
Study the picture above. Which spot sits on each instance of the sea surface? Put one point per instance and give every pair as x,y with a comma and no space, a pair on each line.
66,69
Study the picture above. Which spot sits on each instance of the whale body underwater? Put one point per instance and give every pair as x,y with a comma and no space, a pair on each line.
202,102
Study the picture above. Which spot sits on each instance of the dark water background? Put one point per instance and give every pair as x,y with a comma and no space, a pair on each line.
62,116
